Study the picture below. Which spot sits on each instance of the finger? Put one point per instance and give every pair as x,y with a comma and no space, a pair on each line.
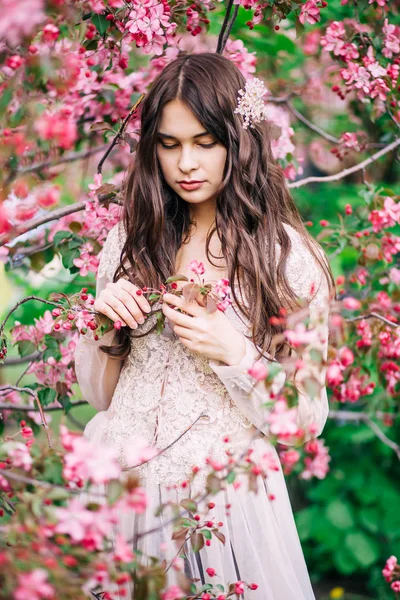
130,304
139,298
191,308
183,332
115,304
176,317
106,310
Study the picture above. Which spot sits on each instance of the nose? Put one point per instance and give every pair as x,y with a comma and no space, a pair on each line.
187,160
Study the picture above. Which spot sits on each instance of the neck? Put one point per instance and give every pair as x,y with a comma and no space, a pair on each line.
203,217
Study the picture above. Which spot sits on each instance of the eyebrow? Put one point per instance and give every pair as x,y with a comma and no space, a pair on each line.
166,135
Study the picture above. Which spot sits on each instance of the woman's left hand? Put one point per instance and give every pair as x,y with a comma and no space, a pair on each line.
209,334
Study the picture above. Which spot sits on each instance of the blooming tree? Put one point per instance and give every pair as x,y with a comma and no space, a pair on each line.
72,78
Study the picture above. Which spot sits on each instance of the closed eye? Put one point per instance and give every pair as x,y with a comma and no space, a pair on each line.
170,147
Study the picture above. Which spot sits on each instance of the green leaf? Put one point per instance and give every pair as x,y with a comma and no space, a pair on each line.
5,100
101,23
231,477
306,520
25,347
344,561
47,396
369,517
114,491
61,236
197,541
189,504
207,534
340,514
177,277
364,549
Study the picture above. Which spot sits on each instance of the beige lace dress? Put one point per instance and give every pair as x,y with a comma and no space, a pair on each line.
261,541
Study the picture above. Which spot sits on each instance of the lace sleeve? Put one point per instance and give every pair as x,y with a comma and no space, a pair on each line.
97,374
308,281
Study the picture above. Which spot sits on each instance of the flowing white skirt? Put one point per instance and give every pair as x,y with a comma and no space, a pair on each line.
261,541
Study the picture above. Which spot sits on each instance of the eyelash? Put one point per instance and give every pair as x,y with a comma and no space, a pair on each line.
207,146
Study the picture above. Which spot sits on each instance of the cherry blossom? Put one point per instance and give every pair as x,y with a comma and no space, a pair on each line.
34,586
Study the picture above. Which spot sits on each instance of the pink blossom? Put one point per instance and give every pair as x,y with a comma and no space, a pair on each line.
19,454
174,592
394,275
86,527
395,586
310,12
93,187
224,304
351,303
239,588
259,371
139,450
86,263
289,458
14,24
334,375
389,567
123,551
33,586
86,461
391,43
333,40
136,500
318,464
196,267
283,420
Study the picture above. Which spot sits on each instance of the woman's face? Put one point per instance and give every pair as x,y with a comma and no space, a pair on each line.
188,153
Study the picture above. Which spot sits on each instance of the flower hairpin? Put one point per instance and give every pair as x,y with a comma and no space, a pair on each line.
251,105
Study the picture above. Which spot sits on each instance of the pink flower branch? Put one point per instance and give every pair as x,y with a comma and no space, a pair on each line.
372,315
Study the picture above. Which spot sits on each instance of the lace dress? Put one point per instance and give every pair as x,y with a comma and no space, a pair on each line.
261,541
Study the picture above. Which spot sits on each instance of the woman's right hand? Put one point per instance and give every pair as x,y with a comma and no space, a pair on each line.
119,302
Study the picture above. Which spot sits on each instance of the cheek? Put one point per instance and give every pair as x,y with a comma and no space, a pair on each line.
217,164
165,165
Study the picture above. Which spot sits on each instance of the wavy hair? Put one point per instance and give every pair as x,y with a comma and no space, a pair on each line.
251,208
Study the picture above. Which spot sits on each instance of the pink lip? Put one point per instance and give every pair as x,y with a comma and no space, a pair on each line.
192,185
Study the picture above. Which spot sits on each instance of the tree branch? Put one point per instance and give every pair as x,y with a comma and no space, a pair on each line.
373,315
55,215
18,304
350,170
347,415
120,133
220,42
67,158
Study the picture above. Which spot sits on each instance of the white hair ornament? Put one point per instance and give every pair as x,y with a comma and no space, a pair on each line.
251,105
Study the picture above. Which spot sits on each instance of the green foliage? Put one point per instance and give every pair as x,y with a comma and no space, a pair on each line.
352,521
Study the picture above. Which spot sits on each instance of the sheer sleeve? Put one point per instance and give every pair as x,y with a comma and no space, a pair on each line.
96,372
306,278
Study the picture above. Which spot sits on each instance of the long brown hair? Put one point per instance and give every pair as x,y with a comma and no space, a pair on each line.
250,210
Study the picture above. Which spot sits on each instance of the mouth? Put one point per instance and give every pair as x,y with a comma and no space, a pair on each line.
190,185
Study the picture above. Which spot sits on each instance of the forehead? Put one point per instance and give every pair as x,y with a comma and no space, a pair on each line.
178,121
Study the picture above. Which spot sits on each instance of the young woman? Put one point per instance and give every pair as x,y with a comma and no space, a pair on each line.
205,188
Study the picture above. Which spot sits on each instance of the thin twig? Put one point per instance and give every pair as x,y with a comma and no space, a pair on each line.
347,415
220,46
229,27
18,304
67,158
11,362
55,215
349,171
120,133
31,408
373,315
33,394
